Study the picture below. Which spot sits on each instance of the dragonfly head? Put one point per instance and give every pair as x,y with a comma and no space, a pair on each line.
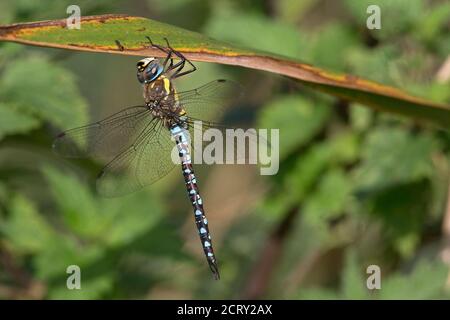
148,70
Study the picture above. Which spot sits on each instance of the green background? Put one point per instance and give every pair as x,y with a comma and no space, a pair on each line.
355,187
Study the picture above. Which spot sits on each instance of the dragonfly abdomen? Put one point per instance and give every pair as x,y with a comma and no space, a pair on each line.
182,142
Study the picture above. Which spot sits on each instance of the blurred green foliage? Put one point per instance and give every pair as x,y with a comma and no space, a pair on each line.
367,188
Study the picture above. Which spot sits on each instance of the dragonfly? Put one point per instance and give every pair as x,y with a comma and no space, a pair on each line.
136,143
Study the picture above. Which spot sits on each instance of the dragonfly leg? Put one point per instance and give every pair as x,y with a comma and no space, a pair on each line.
178,67
181,64
169,56
119,45
169,53
157,46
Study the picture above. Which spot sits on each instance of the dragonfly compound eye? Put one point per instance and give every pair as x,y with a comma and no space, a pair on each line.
148,70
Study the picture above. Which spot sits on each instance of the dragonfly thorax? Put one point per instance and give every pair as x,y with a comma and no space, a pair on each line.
161,98
159,89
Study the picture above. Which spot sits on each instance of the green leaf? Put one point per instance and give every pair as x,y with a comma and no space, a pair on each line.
403,209
377,62
278,36
297,118
113,221
394,156
92,288
360,117
353,284
444,45
340,149
335,38
51,265
75,203
52,96
52,261
13,120
131,217
426,281
25,228
329,200
405,13
431,23
293,10
99,34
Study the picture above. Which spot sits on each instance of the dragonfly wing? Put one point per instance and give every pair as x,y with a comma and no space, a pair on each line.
104,139
144,162
210,100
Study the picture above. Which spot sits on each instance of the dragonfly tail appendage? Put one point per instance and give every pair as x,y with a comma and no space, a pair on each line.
214,269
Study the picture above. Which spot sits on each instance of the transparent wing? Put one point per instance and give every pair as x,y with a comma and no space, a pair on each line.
144,162
104,139
138,146
208,101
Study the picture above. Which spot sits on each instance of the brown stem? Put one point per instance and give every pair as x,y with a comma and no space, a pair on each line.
27,287
261,274
446,239
443,74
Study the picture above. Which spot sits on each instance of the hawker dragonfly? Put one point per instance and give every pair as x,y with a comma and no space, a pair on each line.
137,142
